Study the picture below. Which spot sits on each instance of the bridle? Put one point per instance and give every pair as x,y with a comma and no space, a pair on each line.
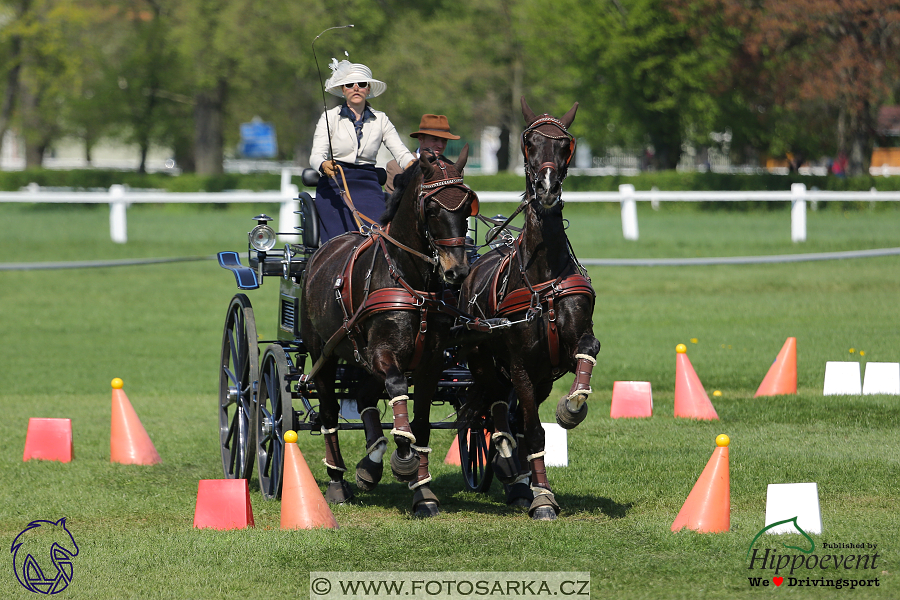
530,178
430,191
535,126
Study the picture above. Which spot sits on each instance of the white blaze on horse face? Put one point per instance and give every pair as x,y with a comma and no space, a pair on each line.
547,188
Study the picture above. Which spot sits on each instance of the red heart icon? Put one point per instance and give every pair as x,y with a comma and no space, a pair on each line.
778,580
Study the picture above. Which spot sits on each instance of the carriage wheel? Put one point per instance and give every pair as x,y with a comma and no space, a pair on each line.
475,454
238,377
274,416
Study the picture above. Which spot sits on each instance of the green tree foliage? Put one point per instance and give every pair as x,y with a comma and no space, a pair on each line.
813,73
781,77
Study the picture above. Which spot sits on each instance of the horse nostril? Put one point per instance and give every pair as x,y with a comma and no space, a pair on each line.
456,274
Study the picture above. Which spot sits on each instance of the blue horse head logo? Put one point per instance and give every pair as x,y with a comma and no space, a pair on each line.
42,556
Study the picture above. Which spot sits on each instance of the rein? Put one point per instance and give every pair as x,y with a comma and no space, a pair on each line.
404,297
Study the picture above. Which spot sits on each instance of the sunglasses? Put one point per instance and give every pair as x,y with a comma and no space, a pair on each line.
362,85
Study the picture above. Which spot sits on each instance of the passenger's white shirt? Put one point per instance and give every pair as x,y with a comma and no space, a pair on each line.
344,142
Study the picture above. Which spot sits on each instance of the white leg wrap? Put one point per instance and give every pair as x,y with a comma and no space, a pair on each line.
504,443
408,435
362,412
331,466
414,484
332,430
422,449
531,457
576,399
397,399
539,491
523,478
500,402
376,451
590,359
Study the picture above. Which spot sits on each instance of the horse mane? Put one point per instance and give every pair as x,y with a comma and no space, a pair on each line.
401,181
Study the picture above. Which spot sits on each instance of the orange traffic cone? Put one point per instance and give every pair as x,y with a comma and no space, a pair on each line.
49,439
302,504
708,506
452,457
223,504
782,375
631,399
129,443
691,400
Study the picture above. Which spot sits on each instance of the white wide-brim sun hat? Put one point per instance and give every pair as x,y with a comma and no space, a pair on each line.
348,72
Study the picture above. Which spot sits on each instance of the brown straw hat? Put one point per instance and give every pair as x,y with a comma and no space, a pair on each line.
434,125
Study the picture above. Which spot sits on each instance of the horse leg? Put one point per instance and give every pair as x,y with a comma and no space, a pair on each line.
543,506
338,490
519,493
483,369
425,502
572,408
505,463
370,469
404,460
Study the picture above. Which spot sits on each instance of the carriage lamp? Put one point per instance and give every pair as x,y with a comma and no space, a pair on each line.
262,237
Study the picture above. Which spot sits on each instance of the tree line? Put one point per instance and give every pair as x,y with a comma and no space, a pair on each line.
779,77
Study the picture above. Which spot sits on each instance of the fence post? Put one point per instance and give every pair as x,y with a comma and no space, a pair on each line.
629,212
798,212
288,220
118,224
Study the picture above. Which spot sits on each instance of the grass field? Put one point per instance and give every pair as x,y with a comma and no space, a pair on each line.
66,333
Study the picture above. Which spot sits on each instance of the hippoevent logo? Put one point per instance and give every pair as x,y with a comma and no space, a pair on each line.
804,567
42,556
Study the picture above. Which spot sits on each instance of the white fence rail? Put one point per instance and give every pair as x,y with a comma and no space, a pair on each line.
119,198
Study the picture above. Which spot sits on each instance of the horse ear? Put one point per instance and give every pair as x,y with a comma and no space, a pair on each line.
463,157
569,116
529,115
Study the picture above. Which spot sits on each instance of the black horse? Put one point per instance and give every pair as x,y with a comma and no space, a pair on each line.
377,300
537,284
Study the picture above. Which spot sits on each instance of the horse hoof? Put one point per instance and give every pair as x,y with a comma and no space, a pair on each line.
568,419
368,474
544,507
426,509
544,513
405,469
506,469
338,492
519,495
425,503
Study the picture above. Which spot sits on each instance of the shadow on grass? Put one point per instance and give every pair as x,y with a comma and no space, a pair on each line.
390,494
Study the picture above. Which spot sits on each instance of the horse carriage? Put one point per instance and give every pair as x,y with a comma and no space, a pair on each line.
365,315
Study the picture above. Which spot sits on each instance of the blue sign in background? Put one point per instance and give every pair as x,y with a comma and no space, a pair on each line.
258,140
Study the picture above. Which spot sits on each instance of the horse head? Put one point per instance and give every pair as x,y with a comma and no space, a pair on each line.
548,147
444,204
